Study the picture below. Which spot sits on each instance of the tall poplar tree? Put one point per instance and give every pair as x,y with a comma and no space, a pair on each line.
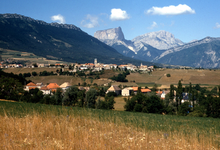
179,95
171,92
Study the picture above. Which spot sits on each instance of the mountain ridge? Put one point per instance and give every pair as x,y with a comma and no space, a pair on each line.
64,42
197,53
160,39
17,16
203,53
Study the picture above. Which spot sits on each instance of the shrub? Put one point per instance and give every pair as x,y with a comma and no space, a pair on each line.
168,75
137,108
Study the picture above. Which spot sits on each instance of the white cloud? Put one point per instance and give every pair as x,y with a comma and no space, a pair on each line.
118,14
154,25
171,10
90,21
58,18
217,25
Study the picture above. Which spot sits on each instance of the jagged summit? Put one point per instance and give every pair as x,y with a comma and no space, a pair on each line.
21,17
160,39
110,34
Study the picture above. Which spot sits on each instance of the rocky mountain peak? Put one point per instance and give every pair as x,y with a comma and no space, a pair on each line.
160,39
110,34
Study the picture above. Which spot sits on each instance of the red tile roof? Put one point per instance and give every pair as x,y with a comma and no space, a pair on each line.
145,90
159,92
31,84
44,88
53,86
31,88
135,88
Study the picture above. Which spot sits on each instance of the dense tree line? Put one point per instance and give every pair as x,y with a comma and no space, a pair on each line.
200,102
11,85
149,103
121,77
21,79
71,97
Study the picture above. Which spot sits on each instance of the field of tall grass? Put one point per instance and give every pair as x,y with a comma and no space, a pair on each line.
36,126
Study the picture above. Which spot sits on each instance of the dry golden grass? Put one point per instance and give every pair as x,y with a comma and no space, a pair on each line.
61,79
109,74
144,78
208,77
55,79
75,132
26,70
7,100
30,58
119,103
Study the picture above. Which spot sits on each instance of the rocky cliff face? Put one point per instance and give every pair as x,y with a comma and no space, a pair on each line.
138,49
160,40
110,34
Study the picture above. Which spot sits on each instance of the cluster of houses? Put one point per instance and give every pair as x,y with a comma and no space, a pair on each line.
52,87
100,66
47,89
92,66
129,90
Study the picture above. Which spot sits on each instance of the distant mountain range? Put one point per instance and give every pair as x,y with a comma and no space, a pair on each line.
56,41
203,53
163,47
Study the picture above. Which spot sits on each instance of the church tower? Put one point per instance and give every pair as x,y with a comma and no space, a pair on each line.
95,61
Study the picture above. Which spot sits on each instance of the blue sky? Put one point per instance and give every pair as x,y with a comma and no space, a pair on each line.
187,20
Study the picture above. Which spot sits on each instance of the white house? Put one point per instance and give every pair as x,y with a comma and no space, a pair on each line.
45,90
126,91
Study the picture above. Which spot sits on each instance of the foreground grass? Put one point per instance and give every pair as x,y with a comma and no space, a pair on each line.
35,126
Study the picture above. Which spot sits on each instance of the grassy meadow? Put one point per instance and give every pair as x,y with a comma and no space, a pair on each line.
36,126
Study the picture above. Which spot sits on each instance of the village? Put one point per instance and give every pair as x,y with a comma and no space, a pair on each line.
50,88
10,63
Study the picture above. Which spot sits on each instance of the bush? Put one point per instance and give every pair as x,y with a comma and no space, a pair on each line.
91,98
109,94
138,108
184,109
168,75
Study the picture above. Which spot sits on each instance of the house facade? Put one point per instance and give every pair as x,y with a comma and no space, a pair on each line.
114,88
126,91
65,86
